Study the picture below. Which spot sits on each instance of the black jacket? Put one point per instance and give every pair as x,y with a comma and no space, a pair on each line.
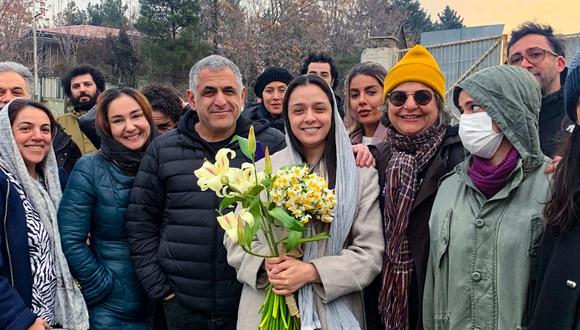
339,105
259,112
15,269
174,238
555,293
87,125
67,153
553,121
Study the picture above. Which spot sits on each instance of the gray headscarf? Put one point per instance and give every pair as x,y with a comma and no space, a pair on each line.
338,313
70,308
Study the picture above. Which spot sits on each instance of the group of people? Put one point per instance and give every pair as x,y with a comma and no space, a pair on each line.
436,226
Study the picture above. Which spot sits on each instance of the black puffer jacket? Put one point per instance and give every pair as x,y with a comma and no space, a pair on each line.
259,112
174,238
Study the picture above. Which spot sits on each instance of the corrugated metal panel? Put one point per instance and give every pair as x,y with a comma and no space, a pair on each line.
572,44
50,88
446,36
460,58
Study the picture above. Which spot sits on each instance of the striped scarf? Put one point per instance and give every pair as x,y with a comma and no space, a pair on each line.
409,156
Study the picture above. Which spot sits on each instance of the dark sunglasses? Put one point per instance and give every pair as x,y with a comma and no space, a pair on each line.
533,55
422,97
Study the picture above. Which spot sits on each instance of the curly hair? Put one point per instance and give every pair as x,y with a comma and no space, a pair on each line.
165,100
97,76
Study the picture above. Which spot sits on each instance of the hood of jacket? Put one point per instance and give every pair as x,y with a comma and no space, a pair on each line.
512,98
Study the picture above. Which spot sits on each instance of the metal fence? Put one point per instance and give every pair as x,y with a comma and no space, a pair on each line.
459,59
50,88
572,42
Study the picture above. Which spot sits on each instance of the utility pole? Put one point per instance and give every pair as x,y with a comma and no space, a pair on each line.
36,89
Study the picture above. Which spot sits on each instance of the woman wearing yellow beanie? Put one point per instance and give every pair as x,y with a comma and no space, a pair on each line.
421,147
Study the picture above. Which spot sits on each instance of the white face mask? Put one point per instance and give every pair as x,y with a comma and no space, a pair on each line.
476,133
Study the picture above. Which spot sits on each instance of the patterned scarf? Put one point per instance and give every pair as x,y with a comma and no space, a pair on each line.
70,308
409,156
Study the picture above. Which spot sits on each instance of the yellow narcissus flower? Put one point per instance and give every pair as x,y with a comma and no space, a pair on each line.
213,176
303,194
231,221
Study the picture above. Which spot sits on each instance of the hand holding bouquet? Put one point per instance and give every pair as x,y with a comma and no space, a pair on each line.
290,198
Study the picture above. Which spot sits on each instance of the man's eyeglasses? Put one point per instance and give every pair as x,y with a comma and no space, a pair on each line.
533,55
422,97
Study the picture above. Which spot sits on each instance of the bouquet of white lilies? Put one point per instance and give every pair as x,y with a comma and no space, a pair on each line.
290,198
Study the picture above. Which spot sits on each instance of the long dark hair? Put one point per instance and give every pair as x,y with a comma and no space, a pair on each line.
562,211
329,156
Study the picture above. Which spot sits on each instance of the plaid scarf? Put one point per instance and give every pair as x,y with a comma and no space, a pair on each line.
409,156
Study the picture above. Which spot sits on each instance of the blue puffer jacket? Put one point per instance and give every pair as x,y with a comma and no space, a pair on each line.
95,202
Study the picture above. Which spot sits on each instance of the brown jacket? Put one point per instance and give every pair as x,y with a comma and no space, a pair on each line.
346,274
70,123
450,154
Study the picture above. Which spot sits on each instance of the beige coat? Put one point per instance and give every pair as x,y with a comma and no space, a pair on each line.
346,274
70,123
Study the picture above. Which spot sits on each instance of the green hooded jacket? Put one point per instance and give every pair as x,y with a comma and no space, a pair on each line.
481,248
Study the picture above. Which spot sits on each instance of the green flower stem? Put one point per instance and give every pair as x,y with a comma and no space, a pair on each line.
269,232
276,314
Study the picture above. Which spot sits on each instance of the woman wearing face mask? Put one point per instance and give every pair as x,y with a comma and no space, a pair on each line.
420,148
365,106
554,303
331,274
37,290
270,87
487,219
95,202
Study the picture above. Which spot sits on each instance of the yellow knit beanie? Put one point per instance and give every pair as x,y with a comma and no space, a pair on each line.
417,65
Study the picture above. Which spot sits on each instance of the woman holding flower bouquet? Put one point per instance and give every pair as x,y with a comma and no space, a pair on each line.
328,277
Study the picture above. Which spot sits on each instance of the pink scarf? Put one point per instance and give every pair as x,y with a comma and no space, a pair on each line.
489,178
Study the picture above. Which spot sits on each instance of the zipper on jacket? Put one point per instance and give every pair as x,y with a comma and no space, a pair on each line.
213,267
7,196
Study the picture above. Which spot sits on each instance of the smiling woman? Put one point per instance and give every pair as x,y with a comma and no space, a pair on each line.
105,271
32,128
420,148
29,239
365,105
329,277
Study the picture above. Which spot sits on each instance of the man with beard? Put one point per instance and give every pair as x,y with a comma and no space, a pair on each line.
535,47
16,82
82,85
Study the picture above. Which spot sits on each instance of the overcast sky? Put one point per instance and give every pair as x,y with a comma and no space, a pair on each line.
563,15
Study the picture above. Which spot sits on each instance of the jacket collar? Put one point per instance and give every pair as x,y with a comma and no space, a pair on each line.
559,94
189,136
438,167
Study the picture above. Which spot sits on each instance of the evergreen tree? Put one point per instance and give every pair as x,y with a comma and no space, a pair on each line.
110,13
449,19
172,42
123,59
415,18
71,15
162,19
